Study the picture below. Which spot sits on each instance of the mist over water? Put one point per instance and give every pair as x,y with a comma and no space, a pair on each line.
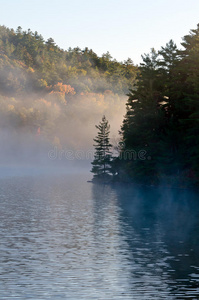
67,129
64,238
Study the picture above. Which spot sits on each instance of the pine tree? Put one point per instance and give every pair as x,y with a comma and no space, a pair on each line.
171,147
189,71
102,157
143,121
153,119
163,116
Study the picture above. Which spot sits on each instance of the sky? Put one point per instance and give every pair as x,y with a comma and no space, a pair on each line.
125,28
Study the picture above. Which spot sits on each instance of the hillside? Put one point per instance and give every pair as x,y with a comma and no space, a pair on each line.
45,92
45,64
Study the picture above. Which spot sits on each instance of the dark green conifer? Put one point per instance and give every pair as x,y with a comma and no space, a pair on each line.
102,158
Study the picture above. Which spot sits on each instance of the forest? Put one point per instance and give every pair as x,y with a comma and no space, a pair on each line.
50,96
43,88
160,131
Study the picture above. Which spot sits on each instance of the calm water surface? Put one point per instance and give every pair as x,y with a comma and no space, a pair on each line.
64,238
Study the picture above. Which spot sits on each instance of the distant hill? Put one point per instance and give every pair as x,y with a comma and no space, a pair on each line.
54,97
28,62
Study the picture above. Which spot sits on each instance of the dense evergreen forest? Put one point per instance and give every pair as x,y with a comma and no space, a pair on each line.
46,91
160,132
161,126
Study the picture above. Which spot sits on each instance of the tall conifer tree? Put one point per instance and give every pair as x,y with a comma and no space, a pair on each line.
102,158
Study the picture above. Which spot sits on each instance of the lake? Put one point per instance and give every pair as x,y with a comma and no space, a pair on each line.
64,238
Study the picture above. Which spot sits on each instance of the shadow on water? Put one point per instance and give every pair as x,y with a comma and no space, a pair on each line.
161,229
64,238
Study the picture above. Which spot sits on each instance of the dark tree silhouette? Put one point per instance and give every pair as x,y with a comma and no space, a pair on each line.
103,157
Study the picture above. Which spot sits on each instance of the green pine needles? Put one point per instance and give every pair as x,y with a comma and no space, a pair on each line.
102,168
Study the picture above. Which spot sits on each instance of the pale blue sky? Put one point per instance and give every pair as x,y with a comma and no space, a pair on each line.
125,28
